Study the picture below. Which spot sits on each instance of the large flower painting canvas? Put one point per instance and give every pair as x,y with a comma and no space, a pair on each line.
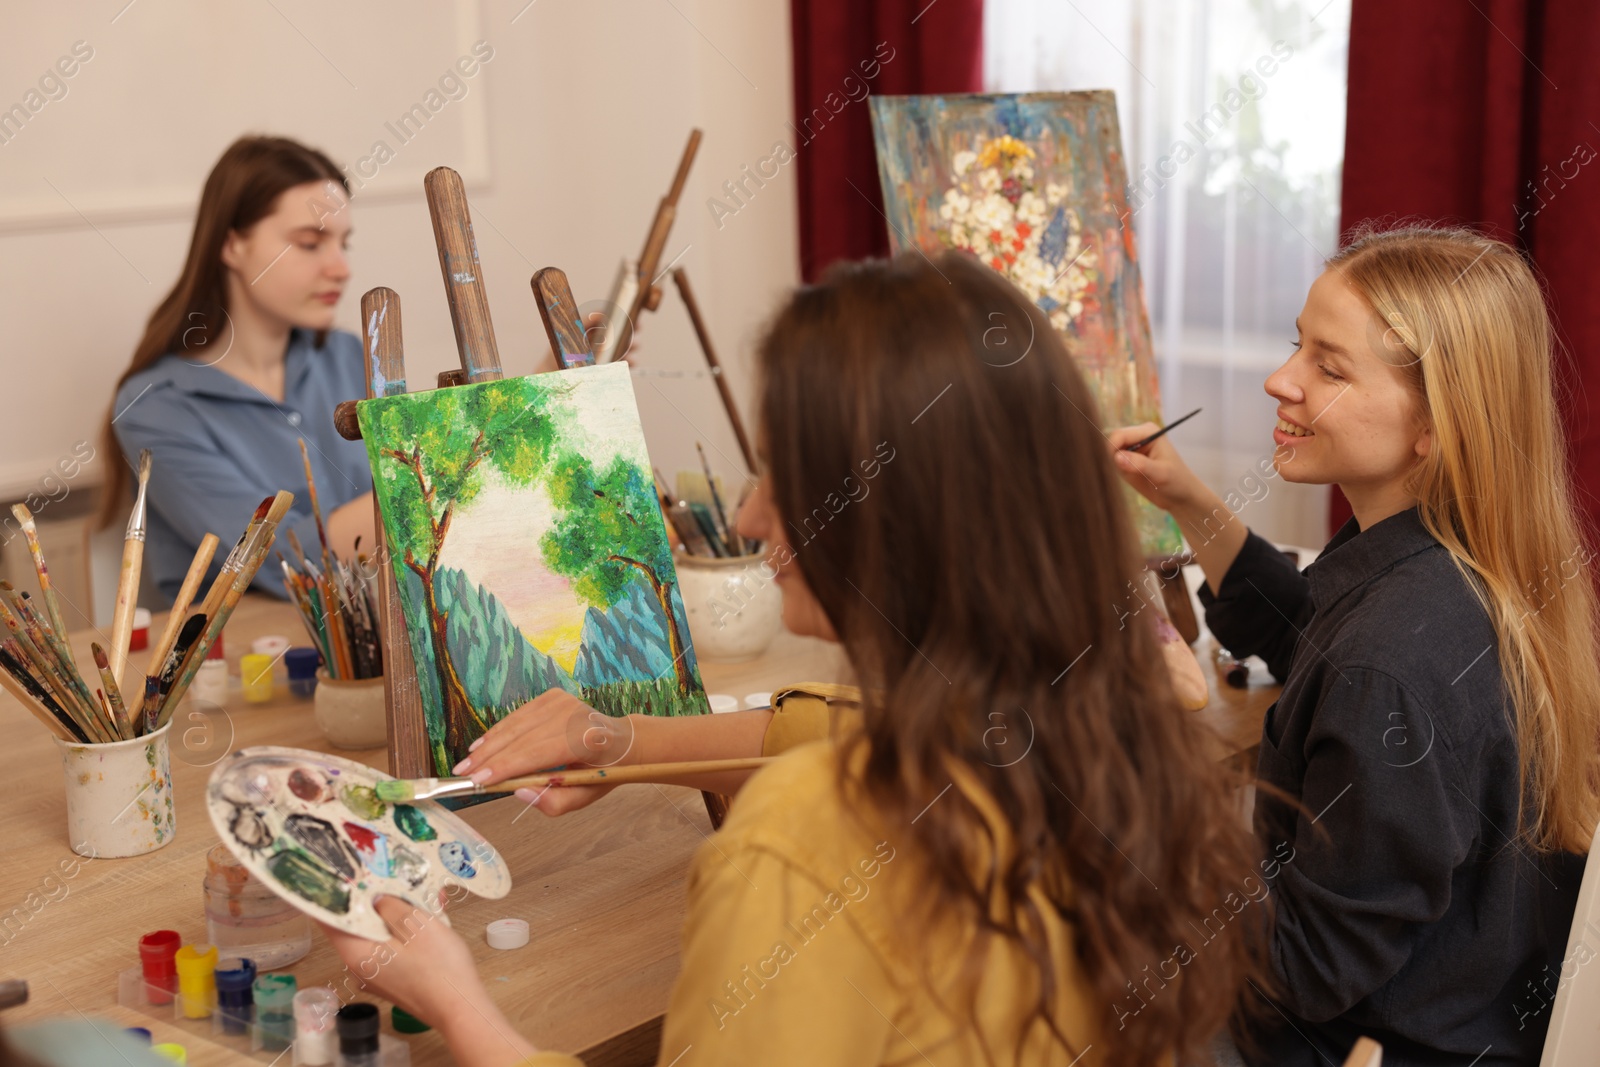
528,548
1034,186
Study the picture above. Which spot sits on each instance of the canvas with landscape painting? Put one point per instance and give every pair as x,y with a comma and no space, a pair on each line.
1034,185
528,547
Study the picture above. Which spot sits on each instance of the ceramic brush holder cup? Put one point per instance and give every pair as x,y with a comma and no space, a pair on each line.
119,795
735,607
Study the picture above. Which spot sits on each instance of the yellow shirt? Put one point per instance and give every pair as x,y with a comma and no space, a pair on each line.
794,948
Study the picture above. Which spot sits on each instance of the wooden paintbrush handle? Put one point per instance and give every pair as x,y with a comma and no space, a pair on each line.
127,601
682,281
180,606
642,772
568,340
463,274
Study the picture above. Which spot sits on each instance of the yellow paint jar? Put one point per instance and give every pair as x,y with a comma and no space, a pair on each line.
197,980
255,673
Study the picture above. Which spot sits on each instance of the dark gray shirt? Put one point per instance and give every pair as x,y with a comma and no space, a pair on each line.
219,447
1411,912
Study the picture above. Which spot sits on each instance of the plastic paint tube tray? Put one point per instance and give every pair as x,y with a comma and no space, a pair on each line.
158,1004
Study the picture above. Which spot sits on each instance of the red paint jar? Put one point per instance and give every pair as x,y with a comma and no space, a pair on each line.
156,956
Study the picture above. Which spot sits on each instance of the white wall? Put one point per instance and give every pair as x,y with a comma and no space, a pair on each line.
568,138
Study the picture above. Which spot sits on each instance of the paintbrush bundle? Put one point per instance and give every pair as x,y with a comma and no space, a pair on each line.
703,525
336,601
339,611
38,669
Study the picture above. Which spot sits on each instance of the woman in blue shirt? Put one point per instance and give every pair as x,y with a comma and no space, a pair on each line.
240,362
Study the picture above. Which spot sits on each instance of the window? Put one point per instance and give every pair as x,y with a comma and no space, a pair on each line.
1232,116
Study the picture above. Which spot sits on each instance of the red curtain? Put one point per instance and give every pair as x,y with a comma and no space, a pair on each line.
1480,113
843,49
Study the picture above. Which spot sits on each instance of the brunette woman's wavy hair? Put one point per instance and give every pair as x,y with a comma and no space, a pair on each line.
240,191
985,581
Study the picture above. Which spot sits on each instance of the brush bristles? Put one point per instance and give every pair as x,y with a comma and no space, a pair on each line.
392,792
144,465
100,658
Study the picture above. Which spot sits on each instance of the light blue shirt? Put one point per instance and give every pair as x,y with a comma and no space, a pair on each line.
219,447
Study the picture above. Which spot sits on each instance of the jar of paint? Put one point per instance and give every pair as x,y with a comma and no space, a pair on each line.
274,999
255,677
358,1035
273,646
245,918
197,980
160,972
236,979
352,712
302,661
139,636
314,1026
734,607
102,822
210,685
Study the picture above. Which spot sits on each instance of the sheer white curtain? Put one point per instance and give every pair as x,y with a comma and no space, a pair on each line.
1232,115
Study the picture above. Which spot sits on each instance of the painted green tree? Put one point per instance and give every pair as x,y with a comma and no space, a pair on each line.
608,527
453,439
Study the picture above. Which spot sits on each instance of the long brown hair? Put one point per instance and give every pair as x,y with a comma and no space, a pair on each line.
984,582
240,191
1495,489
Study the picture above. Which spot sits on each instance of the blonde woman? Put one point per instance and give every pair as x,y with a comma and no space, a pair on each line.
1438,724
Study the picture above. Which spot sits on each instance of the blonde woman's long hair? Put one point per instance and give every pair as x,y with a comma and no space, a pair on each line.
1495,489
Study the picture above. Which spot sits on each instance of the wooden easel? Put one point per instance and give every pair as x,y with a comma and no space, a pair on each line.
409,755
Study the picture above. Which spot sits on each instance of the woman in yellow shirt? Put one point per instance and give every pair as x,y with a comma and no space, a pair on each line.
1021,850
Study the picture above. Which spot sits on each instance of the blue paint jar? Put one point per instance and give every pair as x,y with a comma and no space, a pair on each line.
235,1004
302,661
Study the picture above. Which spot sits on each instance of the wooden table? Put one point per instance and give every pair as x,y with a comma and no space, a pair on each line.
602,889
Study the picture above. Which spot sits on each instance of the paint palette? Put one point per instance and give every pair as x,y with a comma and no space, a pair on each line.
311,827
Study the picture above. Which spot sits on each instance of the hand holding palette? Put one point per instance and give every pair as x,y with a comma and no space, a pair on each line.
314,830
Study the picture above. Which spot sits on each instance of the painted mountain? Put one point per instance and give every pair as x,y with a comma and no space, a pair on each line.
529,551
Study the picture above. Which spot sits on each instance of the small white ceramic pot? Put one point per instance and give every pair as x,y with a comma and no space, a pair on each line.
119,795
352,713
735,608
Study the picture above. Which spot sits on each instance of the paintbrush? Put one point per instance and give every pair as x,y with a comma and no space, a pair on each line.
51,603
259,544
54,652
689,532
316,509
15,660
37,708
180,606
401,790
734,542
166,672
119,711
1139,444
46,673
132,562
31,693
294,546
230,565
